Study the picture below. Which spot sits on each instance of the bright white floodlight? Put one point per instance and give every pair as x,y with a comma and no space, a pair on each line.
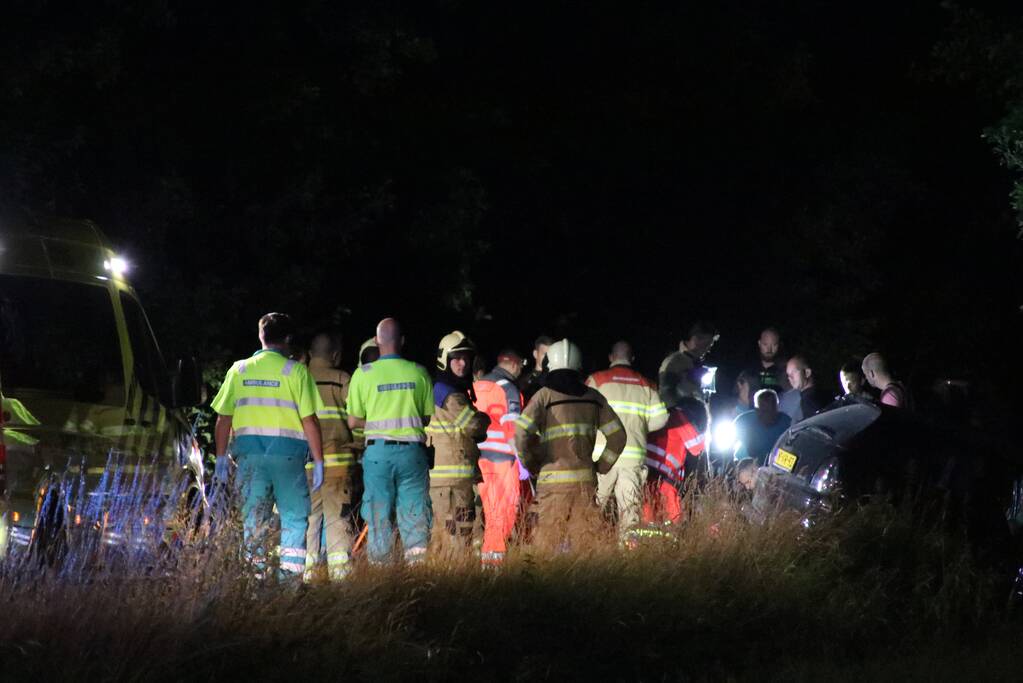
116,266
724,435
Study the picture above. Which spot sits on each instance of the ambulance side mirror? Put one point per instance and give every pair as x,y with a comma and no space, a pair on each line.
186,383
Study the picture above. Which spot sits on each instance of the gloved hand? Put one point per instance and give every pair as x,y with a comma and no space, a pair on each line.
523,472
220,471
317,474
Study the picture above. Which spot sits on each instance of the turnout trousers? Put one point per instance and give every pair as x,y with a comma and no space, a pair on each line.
396,478
625,482
566,515
500,492
264,480
454,514
332,524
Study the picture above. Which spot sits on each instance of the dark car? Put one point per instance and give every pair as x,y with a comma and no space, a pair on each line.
859,450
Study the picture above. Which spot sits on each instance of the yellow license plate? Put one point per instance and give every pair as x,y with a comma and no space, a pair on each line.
785,460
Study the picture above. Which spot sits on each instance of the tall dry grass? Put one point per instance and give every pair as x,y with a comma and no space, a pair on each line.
858,596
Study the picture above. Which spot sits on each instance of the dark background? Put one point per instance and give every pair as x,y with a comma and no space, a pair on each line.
600,170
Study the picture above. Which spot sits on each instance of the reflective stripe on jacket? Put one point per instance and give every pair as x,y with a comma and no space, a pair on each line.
332,385
453,432
500,399
267,396
556,432
667,448
635,400
393,396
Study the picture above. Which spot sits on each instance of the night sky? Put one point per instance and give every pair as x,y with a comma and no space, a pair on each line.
600,170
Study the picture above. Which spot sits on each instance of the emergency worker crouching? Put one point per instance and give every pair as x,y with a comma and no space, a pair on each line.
453,432
270,404
565,417
332,522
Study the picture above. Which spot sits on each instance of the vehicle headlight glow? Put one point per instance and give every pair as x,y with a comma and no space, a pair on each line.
724,435
116,266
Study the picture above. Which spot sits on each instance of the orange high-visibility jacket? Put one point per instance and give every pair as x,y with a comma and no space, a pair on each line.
499,397
666,449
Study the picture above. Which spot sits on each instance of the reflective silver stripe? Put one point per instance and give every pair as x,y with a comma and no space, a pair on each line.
661,467
288,367
395,423
673,461
501,382
266,402
330,414
655,449
632,453
565,477
269,431
491,434
451,472
497,446
509,417
695,441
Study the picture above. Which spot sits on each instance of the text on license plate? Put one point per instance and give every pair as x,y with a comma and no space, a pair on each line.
785,460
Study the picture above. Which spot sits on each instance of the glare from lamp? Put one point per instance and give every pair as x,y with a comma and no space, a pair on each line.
116,265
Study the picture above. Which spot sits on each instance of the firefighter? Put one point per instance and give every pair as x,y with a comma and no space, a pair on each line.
369,351
332,522
635,400
565,417
667,451
453,433
506,489
270,403
392,400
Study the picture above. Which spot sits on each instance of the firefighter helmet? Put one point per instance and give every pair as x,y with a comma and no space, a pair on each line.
456,342
370,343
564,355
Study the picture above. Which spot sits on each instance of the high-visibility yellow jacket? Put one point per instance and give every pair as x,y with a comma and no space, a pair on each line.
267,397
332,384
556,432
635,401
392,395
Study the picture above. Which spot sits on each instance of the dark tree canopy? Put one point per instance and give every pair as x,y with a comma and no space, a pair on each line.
597,169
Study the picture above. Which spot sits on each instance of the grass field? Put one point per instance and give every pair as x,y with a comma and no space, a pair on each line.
866,596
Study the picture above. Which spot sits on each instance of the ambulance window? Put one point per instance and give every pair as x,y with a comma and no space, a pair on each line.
149,368
60,338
